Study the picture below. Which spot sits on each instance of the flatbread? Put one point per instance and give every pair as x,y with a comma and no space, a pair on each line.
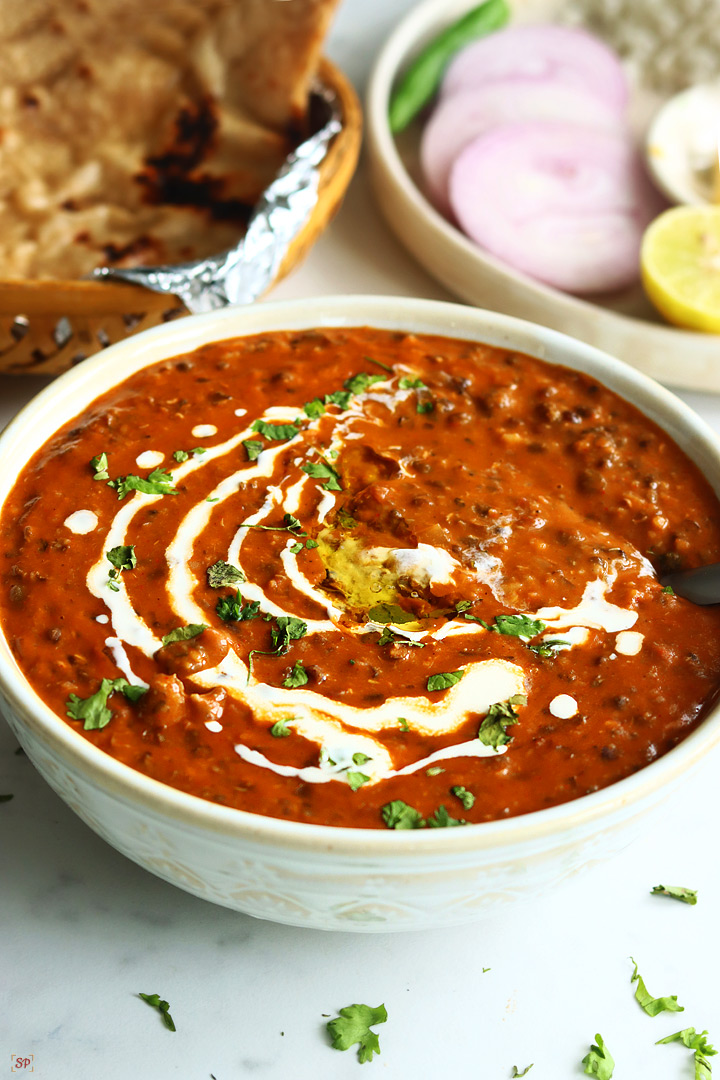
142,131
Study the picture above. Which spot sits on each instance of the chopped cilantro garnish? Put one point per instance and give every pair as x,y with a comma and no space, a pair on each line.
359,758
444,679
234,609
295,548
180,455
287,628
222,573
314,408
297,677
345,519
466,797
406,383
427,405
442,820
361,382
122,557
599,1062
516,1072
184,633
403,724
434,770
311,544
280,729
158,482
398,815
372,360
390,613
341,398
353,1026
275,432
646,1001
99,465
669,590
500,716
290,524
320,470
253,448
93,710
162,1007
389,637
356,779
547,647
521,626
677,892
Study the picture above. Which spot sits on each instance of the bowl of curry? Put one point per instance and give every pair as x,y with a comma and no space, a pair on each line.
348,613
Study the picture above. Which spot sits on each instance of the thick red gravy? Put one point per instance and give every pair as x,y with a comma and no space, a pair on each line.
469,485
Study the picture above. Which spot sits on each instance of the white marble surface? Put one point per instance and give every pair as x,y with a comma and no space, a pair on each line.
83,929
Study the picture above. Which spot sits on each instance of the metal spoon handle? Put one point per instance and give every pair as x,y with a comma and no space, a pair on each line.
701,586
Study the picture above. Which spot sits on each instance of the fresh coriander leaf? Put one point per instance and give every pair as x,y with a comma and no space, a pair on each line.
314,408
345,519
389,637
287,628
356,779
466,797
442,820
275,432
691,1038
311,544
372,360
398,815
361,382
253,448
406,383
434,770
233,608
297,677
319,470
403,724
291,523
444,679
521,626
360,758
485,971
295,548
217,499
669,590
99,465
122,557
162,1007
547,647
677,892
516,1071
221,574
646,1001
390,613
184,633
6,798
500,716
93,710
341,398
198,451
180,456
353,1026
280,729
158,482
599,1061
463,605
425,406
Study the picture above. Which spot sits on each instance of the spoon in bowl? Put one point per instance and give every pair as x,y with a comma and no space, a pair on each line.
701,586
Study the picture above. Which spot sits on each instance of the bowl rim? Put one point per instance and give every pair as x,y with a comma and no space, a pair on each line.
77,388
412,30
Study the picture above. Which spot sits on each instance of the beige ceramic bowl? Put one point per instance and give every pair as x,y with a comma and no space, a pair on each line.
311,875
624,323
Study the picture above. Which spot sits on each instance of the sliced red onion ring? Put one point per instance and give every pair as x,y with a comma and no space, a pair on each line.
461,118
570,56
562,203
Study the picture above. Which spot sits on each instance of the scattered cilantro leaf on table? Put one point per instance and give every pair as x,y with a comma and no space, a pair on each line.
184,633
599,1061
702,1049
221,574
353,1026
398,815
297,677
93,710
444,679
163,1008
500,716
516,1071
646,1001
676,892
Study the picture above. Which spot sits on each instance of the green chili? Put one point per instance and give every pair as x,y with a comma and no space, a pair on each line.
423,76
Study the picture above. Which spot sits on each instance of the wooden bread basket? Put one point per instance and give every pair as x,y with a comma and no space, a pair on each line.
48,326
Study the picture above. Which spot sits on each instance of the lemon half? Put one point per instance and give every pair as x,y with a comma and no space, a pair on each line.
680,261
